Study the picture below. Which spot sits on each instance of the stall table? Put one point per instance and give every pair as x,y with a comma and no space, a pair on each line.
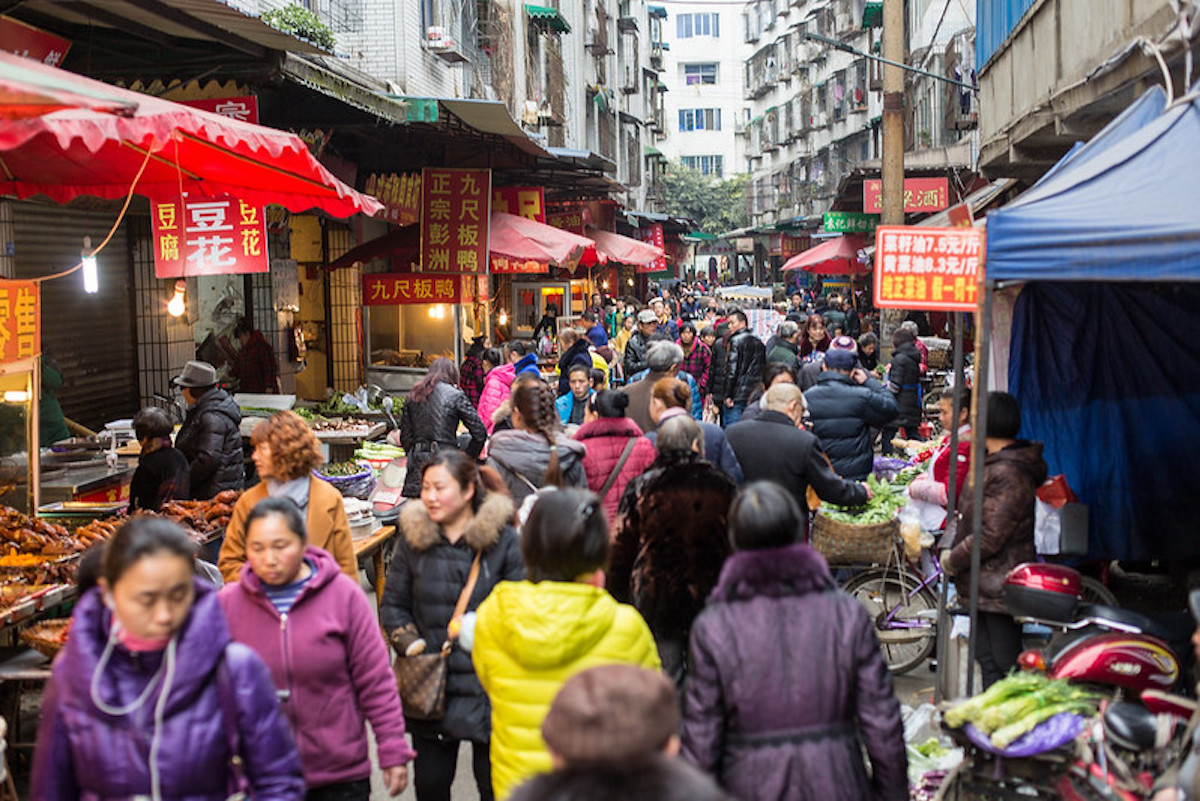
90,484
372,546
340,445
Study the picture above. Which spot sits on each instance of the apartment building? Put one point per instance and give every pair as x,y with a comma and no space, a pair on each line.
704,104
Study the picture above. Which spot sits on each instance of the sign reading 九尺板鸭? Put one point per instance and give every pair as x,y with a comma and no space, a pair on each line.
927,268
400,289
455,207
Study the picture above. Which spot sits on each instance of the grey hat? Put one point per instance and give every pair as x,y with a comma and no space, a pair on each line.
196,374
647,316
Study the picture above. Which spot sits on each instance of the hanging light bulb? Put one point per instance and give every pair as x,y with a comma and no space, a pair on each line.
606,284
502,318
91,278
630,281
176,306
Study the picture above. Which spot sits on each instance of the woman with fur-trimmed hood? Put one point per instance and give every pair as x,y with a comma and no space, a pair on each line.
441,533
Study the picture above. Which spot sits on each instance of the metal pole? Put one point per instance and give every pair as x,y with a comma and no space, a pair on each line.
943,619
978,456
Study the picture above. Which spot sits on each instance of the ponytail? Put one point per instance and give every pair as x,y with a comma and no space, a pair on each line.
535,401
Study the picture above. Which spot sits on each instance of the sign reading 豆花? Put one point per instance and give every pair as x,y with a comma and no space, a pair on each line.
927,268
209,236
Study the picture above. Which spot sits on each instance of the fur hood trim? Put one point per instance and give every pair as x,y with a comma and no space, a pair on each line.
482,532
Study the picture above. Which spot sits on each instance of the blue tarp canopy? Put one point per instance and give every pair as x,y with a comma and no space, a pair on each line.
1103,358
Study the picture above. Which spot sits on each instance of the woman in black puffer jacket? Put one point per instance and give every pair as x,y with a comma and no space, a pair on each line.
429,421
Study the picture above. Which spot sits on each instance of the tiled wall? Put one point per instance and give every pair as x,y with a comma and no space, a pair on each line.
164,342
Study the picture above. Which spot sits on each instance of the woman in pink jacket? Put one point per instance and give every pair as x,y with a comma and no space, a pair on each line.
314,628
498,384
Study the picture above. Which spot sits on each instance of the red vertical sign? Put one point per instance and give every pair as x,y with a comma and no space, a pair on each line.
654,235
455,206
20,320
29,42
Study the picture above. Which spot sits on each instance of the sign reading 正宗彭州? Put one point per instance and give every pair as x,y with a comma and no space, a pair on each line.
400,289
927,268
503,265
400,195
850,222
33,43
20,320
209,236
523,201
653,234
455,206
920,195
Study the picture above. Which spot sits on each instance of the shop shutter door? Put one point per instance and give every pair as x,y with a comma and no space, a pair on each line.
91,336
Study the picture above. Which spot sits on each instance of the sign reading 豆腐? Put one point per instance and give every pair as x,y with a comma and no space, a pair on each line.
927,268
455,206
20,320
850,222
400,289
523,201
209,236
920,195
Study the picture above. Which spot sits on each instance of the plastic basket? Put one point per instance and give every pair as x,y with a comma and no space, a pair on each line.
358,485
847,544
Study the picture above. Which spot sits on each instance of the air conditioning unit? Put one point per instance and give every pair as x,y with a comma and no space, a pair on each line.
438,39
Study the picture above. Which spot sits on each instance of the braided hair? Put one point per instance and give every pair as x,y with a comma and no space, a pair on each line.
534,399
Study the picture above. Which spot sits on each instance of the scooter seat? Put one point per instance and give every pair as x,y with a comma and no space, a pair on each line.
1125,617
1131,726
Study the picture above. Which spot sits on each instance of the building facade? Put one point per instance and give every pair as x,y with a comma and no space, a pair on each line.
704,103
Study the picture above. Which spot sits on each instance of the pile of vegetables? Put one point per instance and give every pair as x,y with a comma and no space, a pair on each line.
378,451
1014,706
886,503
337,469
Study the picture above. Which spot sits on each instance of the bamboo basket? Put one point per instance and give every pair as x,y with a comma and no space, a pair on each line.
847,544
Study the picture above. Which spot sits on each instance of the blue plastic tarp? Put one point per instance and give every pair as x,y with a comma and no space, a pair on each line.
1119,209
1108,378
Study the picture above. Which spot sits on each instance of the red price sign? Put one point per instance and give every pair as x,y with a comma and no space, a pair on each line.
927,268
920,195
401,289
20,320
455,207
209,236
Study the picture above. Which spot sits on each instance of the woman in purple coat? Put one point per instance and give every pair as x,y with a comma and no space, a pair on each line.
150,698
788,686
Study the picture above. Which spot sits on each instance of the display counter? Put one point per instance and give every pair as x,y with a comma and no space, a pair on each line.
101,484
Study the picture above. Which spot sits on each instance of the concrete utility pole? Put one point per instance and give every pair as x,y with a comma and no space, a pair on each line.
892,172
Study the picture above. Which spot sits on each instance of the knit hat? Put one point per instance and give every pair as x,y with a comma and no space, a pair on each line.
844,343
647,316
612,714
840,359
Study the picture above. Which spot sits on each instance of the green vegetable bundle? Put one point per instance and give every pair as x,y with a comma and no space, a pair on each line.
886,503
1013,706
341,469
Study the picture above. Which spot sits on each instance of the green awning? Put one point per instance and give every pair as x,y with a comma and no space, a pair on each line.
662,87
872,15
647,150
657,11
699,236
547,18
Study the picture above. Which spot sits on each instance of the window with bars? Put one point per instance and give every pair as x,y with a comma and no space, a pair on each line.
699,119
700,74
690,25
707,165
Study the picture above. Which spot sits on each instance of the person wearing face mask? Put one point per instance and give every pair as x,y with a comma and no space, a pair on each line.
285,453
456,523
151,698
315,630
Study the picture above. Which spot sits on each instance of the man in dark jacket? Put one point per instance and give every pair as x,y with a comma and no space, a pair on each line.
904,379
844,406
209,437
255,367
743,367
787,345
639,342
574,350
1013,470
775,448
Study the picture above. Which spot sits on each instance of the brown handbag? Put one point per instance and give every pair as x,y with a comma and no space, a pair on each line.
421,679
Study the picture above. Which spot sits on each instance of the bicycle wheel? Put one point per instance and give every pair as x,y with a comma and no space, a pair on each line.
908,638
1095,592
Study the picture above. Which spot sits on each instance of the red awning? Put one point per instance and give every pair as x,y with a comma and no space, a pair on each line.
835,257
401,242
26,92
525,240
76,152
622,249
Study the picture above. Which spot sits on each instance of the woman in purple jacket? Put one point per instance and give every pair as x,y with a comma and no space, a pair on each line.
314,628
788,686
150,698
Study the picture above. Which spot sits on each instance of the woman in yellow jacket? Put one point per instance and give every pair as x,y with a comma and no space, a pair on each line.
531,636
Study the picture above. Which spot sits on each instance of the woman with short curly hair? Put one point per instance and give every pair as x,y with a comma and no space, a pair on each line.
285,453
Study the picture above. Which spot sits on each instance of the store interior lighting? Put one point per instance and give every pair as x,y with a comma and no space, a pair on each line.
176,306
437,311
15,396
502,318
91,278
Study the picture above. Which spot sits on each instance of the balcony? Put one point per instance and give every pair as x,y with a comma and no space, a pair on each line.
627,24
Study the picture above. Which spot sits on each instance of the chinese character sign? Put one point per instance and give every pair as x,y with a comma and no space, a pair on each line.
455,207
850,222
793,245
209,236
20,320
523,201
400,195
567,220
238,108
503,265
400,289
920,195
654,235
29,42
927,268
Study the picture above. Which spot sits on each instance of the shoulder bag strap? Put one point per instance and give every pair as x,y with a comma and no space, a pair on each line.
616,471
226,694
533,487
464,598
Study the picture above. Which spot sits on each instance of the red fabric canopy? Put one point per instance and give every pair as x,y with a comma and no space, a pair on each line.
835,257
76,152
618,248
29,92
401,242
528,240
